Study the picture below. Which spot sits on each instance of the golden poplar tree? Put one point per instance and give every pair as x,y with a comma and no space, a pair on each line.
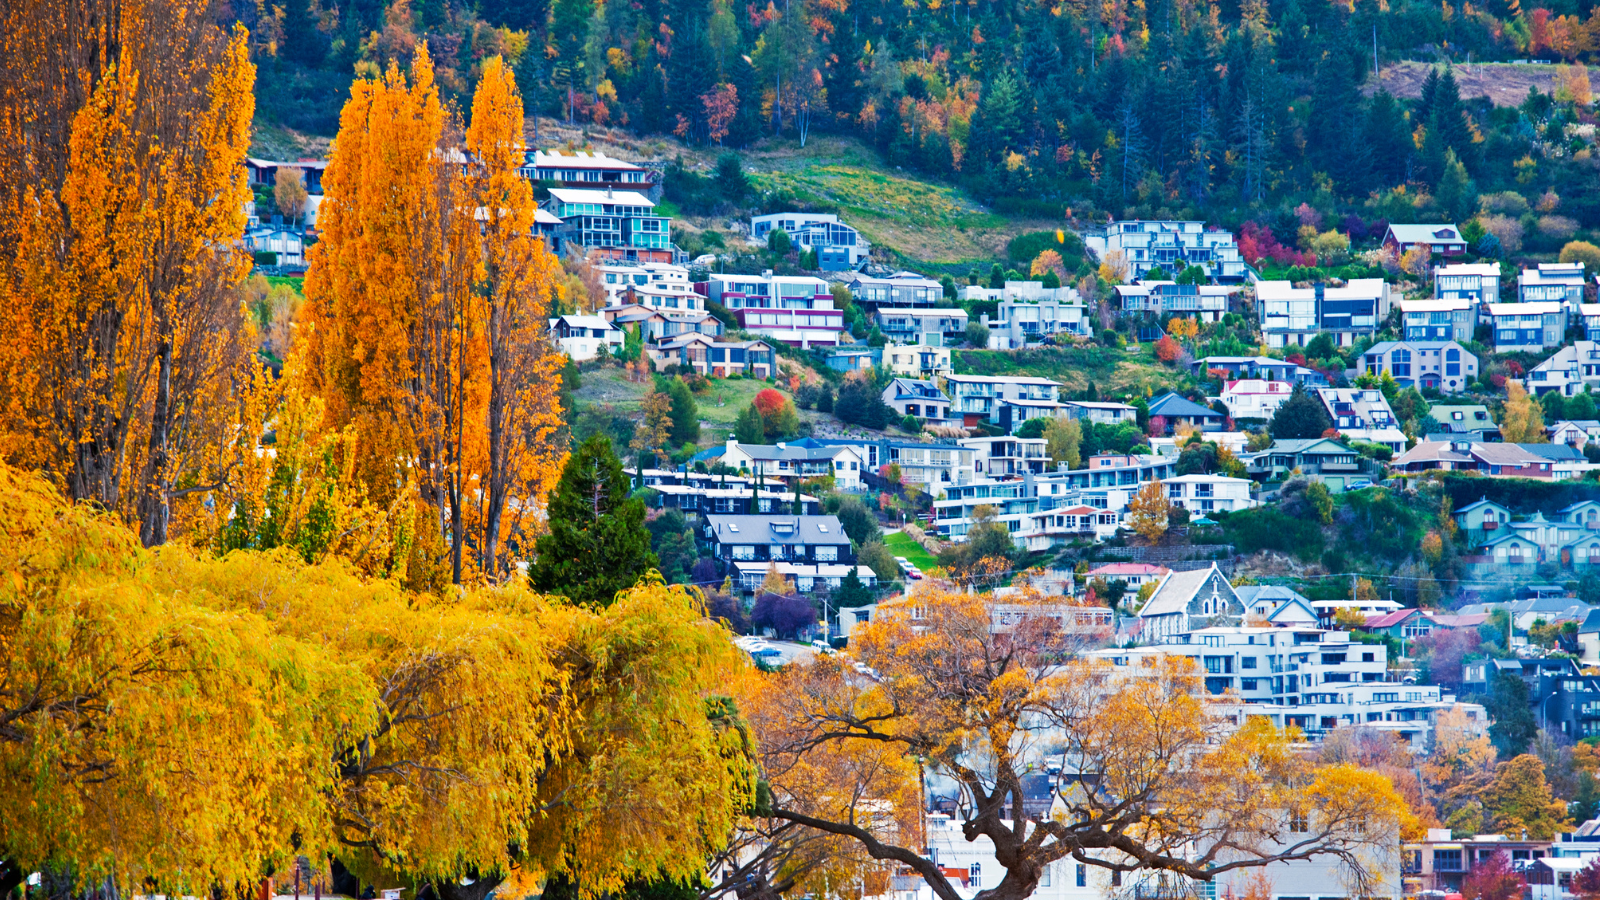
121,171
426,304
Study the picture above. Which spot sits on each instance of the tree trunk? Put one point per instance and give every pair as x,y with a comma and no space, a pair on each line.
154,507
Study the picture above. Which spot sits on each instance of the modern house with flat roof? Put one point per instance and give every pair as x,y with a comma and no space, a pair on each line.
1293,316
1439,319
611,225
795,309
839,247
1558,282
1172,246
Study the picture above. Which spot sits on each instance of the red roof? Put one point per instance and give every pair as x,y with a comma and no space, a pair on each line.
1128,569
1388,619
1081,511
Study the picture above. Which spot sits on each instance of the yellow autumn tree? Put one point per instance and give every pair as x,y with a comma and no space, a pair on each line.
1149,510
1230,799
193,720
122,175
425,307
1521,419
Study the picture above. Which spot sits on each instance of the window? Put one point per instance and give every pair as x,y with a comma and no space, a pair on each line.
1298,823
1447,860
1083,875
1247,684
1368,657
1247,662
827,553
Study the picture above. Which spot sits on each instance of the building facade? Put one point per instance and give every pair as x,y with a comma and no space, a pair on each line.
1527,326
611,225
795,309
1173,246
838,247
1438,319
1442,365
1292,316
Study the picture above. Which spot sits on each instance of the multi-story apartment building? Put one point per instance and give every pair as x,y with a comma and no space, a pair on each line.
902,289
1527,326
1443,365
1163,299
584,337
1100,413
929,327
1173,246
976,398
1452,319
917,360
1589,313
1028,311
931,465
1476,283
1553,283
1362,414
1292,316
795,309
1303,677
652,285
709,356
1204,494
588,170
775,462
839,247
611,225
1043,510
1568,371
996,457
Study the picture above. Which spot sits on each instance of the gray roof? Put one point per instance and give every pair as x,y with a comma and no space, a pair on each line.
789,451
1556,452
776,529
1277,593
1175,592
915,387
1385,346
1300,445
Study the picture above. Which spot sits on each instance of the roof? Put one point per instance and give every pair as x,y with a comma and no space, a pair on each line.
599,322
942,312
1485,501
545,217
1115,569
1301,445
911,278
582,159
915,387
1008,379
1427,234
298,164
1426,451
1355,288
1386,346
1252,593
1555,452
1487,269
791,451
620,198
1390,619
1429,304
1175,592
1091,404
1170,404
777,529
1505,455
1541,308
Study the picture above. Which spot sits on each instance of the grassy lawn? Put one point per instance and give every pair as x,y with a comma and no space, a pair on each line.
719,406
1134,370
901,544
297,282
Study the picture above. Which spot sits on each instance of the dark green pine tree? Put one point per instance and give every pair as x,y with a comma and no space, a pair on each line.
852,592
685,414
1430,91
1299,417
1388,140
598,544
749,428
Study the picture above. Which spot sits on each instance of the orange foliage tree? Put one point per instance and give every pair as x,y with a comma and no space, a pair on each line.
122,173
984,696
425,306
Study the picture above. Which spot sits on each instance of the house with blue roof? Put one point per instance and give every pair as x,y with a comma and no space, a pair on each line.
1174,410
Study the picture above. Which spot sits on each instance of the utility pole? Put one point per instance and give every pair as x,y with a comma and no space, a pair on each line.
1375,72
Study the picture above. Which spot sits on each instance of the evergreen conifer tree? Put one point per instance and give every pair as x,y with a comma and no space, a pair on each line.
598,544
852,592
749,428
1299,417
685,414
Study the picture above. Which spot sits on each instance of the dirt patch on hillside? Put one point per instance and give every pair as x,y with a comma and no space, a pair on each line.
1505,84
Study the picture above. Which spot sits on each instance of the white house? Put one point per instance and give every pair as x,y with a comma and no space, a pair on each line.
976,398
838,246
795,309
1205,494
1557,282
1172,246
1439,319
1568,371
782,460
1100,413
1363,414
1293,316
652,285
1473,282
1253,398
582,337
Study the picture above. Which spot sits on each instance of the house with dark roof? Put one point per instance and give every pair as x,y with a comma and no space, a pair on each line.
1444,239
1321,459
803,540
1495,460
1185,601
789,461
1264,367
1278,605
918,399
1174,410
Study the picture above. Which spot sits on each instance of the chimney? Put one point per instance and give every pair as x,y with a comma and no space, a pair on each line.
782,445
732,443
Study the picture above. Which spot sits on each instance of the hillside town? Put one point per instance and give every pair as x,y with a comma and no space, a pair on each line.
587,451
